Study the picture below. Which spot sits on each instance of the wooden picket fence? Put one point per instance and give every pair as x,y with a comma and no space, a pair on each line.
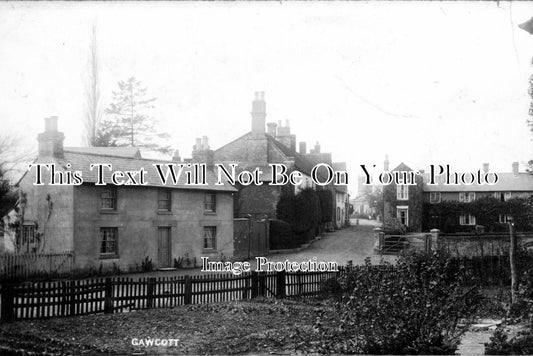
26,265
111,295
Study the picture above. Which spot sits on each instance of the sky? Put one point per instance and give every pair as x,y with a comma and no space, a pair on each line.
422,82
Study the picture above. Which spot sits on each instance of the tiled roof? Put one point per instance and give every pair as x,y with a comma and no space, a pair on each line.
82,161
507,182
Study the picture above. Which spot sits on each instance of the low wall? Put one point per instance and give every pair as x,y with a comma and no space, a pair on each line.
487,244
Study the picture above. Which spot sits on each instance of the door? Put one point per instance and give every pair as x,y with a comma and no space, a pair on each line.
164,253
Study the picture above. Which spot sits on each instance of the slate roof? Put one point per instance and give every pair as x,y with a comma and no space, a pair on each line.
127,152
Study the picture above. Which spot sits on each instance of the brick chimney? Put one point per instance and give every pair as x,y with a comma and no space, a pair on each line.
271,128
258,114
485,167
303,148
316,149
176,157
515,169
202,154
386,163
51,141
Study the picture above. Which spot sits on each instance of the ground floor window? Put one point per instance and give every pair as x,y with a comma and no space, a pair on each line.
210,237
402,214
504,218
467,219
108,241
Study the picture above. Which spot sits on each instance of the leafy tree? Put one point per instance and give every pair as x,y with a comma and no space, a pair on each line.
128,122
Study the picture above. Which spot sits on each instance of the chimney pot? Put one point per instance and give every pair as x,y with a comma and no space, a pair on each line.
258,114
176,157
205,143
271,128
303,148
50,124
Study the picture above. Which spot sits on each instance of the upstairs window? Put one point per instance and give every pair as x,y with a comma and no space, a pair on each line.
108,198
210,202
164,202
434,197
467,197
402,192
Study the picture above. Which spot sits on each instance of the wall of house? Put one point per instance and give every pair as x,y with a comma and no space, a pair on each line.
245,150
137,219
50,208
258,200
414,204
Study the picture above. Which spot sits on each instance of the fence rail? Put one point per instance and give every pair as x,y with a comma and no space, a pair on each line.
25,265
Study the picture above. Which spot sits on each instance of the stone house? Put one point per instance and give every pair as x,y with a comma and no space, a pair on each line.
120,225
276,144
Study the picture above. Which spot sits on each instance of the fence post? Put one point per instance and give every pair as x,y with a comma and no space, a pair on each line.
72,298
188,290
280,284
377,240
8,296
108,299
435,240
255,284
150,292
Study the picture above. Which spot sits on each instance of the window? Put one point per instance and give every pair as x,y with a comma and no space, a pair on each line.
467,197
434,197
467,219
402,192
210,237
108,241
164,199
109,198
402,214
502,196
210,202
504,218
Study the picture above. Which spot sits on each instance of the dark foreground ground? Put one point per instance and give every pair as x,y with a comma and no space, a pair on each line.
262,326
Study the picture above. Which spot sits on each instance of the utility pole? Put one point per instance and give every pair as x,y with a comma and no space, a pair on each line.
512,260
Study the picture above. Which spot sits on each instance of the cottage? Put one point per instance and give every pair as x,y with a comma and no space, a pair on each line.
109,225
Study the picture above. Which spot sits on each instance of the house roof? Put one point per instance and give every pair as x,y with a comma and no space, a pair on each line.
507,182
302,163
127,152
82,161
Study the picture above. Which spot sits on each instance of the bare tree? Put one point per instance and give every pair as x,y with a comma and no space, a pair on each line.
93,113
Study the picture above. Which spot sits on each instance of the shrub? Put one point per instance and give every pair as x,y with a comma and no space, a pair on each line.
281,236
411,308
146,265
302,211
500,344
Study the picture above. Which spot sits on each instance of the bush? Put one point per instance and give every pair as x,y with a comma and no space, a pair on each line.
500,344
281,236
411,308
302,211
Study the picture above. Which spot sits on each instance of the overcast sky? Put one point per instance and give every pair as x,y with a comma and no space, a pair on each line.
424,82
